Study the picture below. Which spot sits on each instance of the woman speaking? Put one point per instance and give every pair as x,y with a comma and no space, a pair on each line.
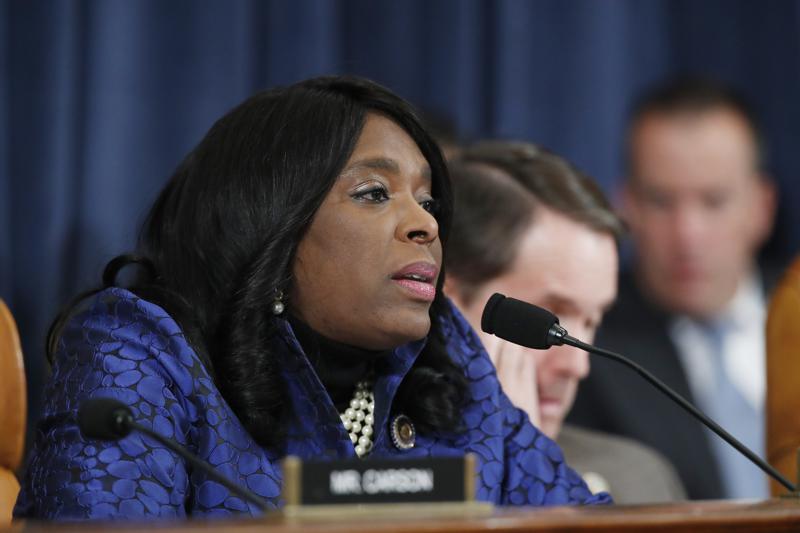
284,298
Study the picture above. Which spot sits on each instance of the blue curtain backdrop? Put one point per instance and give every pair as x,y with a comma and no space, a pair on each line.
99,100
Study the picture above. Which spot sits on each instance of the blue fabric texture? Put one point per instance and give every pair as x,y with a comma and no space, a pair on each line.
126,348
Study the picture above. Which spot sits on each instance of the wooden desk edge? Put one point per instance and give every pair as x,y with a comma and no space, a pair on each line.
769,515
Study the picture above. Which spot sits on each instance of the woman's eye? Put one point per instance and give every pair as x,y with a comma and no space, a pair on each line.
430,205
375,195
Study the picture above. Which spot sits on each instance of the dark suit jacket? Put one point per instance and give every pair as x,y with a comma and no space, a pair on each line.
616,400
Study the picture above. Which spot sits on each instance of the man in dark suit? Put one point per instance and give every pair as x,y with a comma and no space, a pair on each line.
692,309
530,225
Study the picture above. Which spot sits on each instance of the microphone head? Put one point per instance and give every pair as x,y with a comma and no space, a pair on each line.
104,419
518,322
487,318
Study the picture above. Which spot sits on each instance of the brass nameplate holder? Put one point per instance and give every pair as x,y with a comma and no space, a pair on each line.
353,488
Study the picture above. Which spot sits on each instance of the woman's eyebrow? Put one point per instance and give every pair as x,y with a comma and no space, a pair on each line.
376,163
386,164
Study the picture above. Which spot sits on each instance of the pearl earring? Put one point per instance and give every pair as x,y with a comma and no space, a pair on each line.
277,304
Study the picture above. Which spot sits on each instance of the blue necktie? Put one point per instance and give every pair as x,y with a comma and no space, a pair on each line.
728,407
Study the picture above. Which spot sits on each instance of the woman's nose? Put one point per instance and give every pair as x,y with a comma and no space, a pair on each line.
417,224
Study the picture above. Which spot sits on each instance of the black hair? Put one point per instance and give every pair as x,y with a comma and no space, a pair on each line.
696,95
498,187
222,236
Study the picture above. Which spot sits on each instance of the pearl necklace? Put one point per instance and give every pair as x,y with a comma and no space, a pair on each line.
359,420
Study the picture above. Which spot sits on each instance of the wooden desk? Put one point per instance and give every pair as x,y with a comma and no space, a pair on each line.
717,516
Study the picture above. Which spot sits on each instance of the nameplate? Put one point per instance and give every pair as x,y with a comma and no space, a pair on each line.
364,481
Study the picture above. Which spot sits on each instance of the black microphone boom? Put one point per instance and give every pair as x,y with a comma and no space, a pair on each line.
528,325
109,419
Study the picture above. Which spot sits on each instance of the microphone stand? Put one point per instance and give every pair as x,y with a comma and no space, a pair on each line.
559,336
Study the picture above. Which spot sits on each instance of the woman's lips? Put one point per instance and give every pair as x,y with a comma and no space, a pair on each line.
418,280
421,289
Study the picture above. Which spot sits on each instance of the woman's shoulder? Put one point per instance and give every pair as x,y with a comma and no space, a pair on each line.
115,315
118,345
120,342
519,464
118,310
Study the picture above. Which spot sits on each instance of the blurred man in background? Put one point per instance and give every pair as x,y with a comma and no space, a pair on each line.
529,225
693,309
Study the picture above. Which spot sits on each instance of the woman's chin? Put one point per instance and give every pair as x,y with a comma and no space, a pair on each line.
404,328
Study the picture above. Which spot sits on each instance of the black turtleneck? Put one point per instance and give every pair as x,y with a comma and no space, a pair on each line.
339,366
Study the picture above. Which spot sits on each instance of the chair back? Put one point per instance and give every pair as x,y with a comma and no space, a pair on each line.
13,411
783,377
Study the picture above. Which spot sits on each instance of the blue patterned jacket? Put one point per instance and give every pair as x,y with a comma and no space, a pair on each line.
126,348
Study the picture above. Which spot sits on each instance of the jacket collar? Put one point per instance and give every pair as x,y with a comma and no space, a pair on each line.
315,413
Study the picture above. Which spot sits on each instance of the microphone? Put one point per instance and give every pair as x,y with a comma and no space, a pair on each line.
521,323
109,419
531,326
